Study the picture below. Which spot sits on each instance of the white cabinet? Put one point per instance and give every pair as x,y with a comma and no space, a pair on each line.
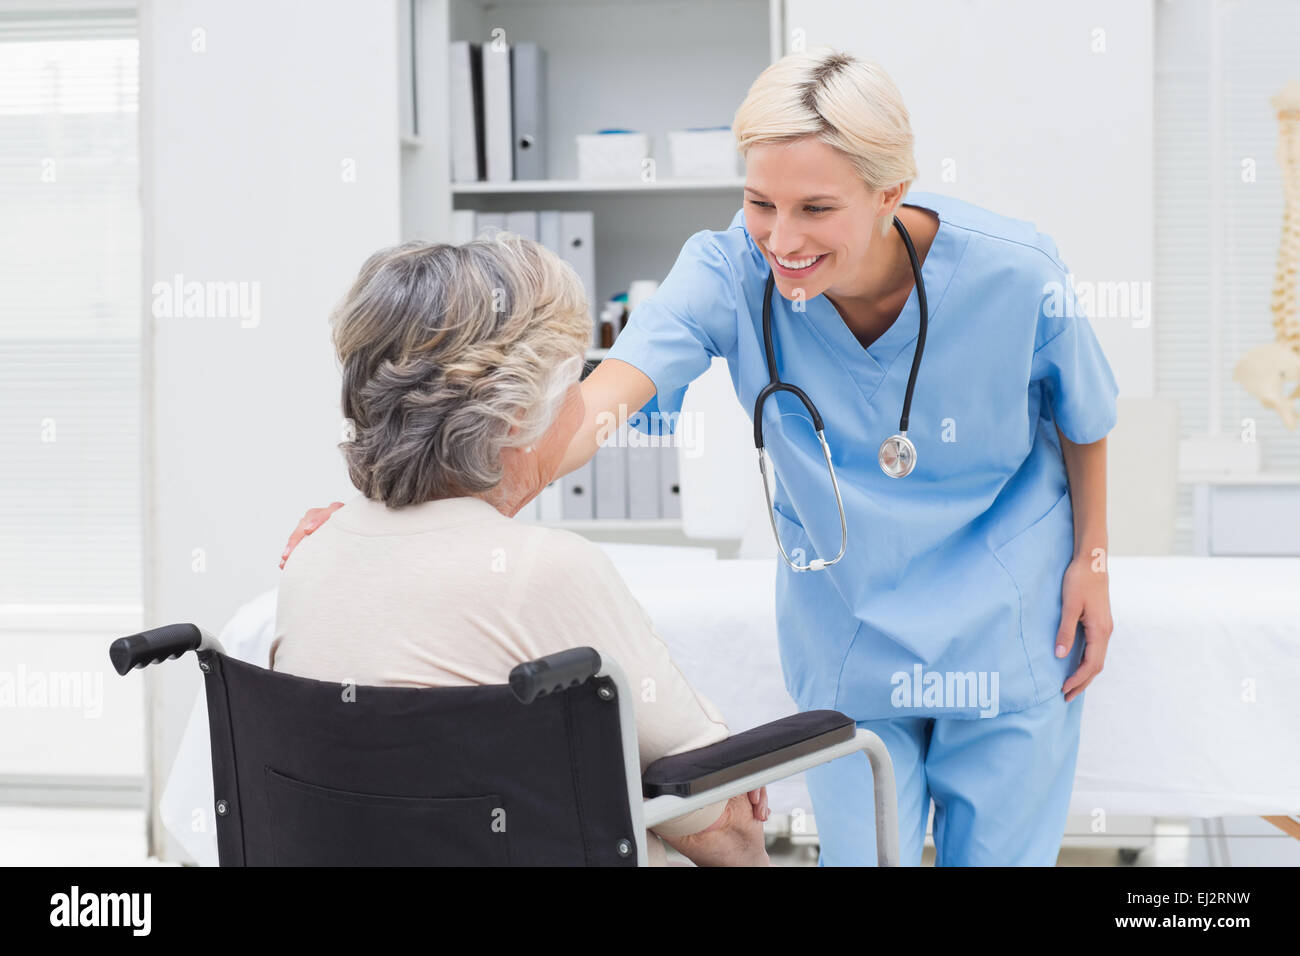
1247,515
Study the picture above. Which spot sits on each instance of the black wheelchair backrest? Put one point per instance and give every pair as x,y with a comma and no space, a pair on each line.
314,773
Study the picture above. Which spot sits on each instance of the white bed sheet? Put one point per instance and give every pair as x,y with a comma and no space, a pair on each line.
1197,713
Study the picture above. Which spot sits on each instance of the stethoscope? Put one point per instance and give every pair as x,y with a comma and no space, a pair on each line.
897,453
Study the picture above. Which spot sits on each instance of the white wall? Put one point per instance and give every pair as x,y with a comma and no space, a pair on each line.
246,149
1040,117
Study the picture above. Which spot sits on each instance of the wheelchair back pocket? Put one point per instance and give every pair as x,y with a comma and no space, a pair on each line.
312,825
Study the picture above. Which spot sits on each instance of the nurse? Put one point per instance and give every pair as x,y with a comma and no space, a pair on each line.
970,609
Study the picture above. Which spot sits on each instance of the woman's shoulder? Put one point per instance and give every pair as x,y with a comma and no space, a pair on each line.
1001,237
566,561
570,573
729,251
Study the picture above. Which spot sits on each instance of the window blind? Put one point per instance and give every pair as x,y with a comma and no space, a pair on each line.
1259,56
70,324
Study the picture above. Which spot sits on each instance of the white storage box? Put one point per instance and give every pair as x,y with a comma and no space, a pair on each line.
613,155
703,153
1222,454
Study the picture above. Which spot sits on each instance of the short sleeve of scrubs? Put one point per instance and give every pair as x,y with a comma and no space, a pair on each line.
674,335
1077,381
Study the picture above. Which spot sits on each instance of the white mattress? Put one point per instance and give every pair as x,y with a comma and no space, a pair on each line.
1196,714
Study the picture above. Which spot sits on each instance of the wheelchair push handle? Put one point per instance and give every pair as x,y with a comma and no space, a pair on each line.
153,646
553,673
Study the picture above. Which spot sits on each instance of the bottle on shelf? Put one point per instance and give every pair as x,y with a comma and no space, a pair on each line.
620,315
610,318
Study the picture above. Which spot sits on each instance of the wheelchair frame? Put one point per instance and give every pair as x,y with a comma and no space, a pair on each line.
554,673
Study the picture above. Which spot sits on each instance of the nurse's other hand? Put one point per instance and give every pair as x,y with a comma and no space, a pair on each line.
758,800
313,519
1085,596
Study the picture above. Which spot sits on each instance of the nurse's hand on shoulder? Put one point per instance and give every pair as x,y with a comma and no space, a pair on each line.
313,519
1085,596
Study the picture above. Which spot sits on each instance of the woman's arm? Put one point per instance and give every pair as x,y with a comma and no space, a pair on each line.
613,391
1085,590
1085,466
575,597
734,839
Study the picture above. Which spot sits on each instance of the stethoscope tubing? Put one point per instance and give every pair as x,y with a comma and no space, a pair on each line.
776,385
769,349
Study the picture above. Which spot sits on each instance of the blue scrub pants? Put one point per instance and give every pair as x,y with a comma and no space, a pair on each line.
1001,788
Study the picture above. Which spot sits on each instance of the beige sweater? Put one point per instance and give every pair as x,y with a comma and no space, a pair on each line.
452,592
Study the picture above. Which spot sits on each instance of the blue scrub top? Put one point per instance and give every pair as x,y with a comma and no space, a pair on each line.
955,570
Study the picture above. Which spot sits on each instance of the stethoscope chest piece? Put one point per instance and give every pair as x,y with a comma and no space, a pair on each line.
897,456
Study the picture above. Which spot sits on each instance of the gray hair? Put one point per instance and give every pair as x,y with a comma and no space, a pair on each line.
446,350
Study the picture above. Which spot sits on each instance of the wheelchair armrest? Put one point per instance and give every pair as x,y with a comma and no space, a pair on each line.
761,748
553,673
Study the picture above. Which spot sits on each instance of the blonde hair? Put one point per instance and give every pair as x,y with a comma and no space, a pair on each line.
445,349
849,104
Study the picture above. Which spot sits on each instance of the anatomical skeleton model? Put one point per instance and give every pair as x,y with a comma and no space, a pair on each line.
1267,371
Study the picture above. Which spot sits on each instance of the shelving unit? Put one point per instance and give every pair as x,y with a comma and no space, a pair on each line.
618,524
647,65
536,186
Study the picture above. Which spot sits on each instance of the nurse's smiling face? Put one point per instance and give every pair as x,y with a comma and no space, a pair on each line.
816,222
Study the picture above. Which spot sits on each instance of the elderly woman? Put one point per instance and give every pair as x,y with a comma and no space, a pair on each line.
460,376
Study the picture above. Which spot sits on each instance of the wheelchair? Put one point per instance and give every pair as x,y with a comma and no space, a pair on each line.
540,771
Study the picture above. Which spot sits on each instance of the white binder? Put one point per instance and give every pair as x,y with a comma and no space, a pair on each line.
670,496
466,95
579,499
578,248
550,502
522,223
528,78
486,223
610,461
548,229
498,133
462,225
643,474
